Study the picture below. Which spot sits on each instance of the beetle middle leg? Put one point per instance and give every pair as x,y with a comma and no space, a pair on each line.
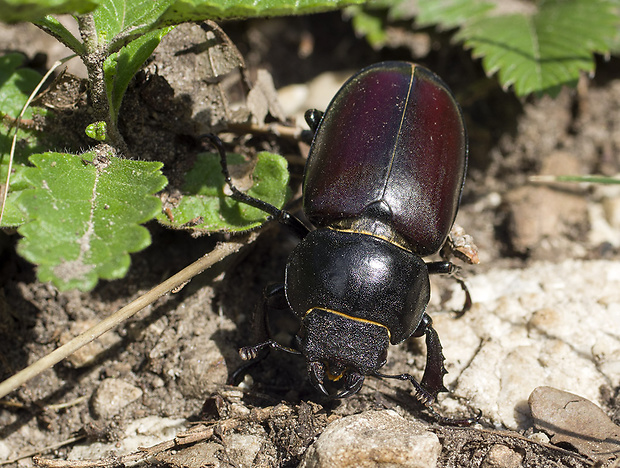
460,245
448,268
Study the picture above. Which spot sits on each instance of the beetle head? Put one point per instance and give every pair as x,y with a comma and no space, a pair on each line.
341,348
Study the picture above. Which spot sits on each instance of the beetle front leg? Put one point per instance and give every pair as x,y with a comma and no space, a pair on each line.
434,371
273,298
432,380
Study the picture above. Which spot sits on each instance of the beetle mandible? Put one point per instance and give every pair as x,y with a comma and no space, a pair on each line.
381,186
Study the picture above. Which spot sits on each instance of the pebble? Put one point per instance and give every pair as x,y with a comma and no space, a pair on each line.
571,419
374,439
112,396
500,456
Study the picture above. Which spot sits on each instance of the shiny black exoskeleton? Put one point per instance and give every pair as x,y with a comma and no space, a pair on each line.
382,186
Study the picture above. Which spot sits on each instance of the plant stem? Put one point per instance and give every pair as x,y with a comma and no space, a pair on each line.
94,59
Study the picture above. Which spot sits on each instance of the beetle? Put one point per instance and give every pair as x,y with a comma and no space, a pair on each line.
382,187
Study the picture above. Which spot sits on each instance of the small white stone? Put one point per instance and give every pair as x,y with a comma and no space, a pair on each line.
112,396
374,438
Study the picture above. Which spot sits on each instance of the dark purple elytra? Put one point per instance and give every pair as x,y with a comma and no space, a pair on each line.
393,133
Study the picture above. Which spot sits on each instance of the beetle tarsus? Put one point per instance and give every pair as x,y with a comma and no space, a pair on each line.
249,353
425,397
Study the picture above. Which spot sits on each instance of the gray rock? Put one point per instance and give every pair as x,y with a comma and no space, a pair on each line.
112,396
374,439
571,419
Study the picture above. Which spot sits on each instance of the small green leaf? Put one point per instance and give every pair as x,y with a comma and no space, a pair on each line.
97,131
542,51
120,67
84,214
13,11
205,207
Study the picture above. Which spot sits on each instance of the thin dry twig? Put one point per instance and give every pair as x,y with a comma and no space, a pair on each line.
43,450
199,433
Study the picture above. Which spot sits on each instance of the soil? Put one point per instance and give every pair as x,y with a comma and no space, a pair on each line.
176,354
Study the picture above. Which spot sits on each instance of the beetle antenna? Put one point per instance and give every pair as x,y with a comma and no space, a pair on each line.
237,194
282,216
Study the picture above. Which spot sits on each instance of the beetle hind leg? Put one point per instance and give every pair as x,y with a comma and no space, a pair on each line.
273,297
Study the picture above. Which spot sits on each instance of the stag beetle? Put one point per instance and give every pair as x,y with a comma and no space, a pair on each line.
382,187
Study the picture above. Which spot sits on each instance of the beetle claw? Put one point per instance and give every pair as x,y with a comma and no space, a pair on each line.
353,383
316,371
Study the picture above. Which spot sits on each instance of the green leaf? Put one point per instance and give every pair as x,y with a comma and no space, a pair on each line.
12,11
120,67
119,21
16,84
451,13
369,24
542,51
84,214
195,10
13,214
204,206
